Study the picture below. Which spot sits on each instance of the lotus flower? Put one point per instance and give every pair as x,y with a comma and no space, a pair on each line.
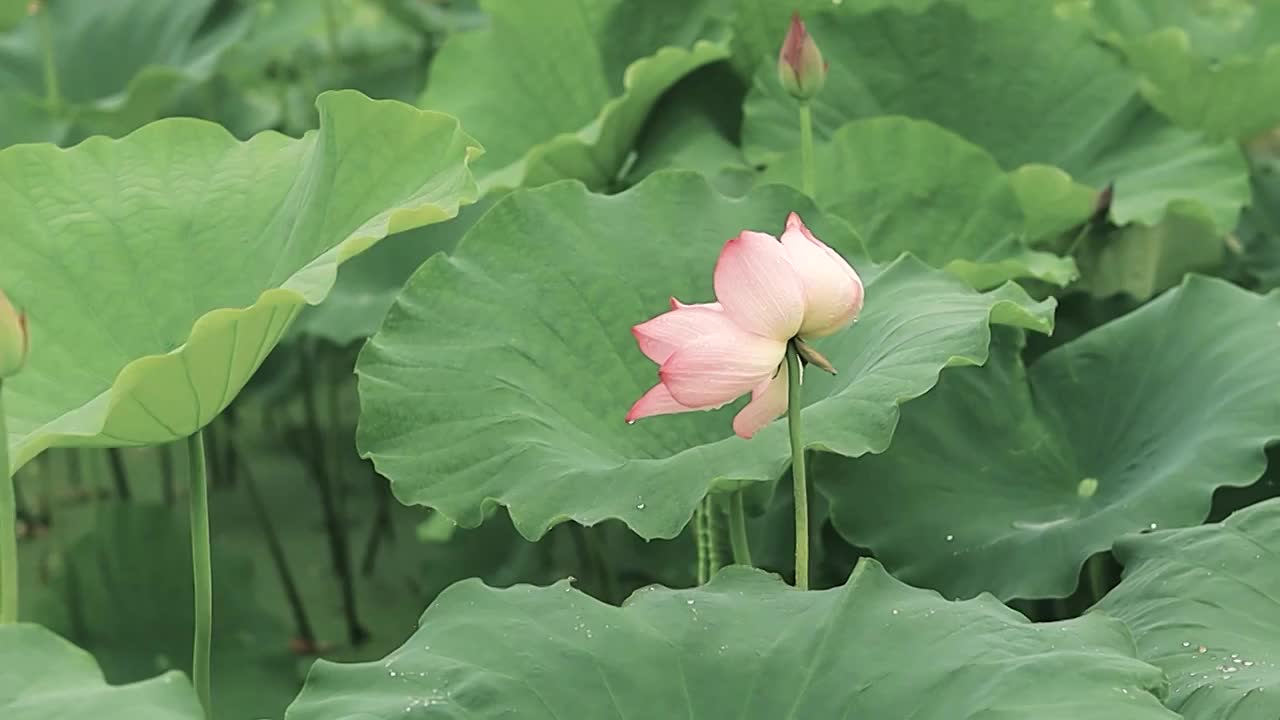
801,69
769,291
14,340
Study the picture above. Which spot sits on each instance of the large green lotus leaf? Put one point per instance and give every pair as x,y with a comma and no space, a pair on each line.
1210,66
1143,260
46,677
158,270
694,127
503,373
910,186
367,286
560,88
1201,603
1005,479
744,646
1018,81
119,63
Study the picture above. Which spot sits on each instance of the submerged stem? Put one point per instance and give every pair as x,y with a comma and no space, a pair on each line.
202,570
806,149
300,620
8,532
798,480
738,529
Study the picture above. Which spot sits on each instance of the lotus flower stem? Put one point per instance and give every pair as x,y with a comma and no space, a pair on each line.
202,570
798,477
714,556
52,91
806,149
700,537
738,530
331,29
8,533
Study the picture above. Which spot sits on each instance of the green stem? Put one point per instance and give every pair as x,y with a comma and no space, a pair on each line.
1079,238
52,92
1098,582
202,570
806,149
8,532
714,559
331,29
700,537
798,478
738,530
301,622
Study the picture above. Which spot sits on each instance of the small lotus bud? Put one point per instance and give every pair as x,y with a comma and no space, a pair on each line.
801,69
14,341
1102,205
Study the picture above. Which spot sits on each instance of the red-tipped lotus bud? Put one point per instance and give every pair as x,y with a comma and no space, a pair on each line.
801,69
14,341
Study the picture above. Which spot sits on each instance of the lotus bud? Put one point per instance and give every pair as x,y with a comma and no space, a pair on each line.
801,69
14,341
1102,205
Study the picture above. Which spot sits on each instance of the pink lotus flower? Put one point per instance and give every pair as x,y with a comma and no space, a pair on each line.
769,291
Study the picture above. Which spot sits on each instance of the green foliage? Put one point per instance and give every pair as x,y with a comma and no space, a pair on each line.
743,645
580,76
1210,66
910,186
1006,478
550,362
1201,604
184,281
990,168
116,64
48,677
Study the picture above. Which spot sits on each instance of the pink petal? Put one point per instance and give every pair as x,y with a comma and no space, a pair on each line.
832,290
758,287
676,305
670,331
715,370
657,401
768,403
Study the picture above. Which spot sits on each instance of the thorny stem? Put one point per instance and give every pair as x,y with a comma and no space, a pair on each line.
202,570
738,529
8,532
798,477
